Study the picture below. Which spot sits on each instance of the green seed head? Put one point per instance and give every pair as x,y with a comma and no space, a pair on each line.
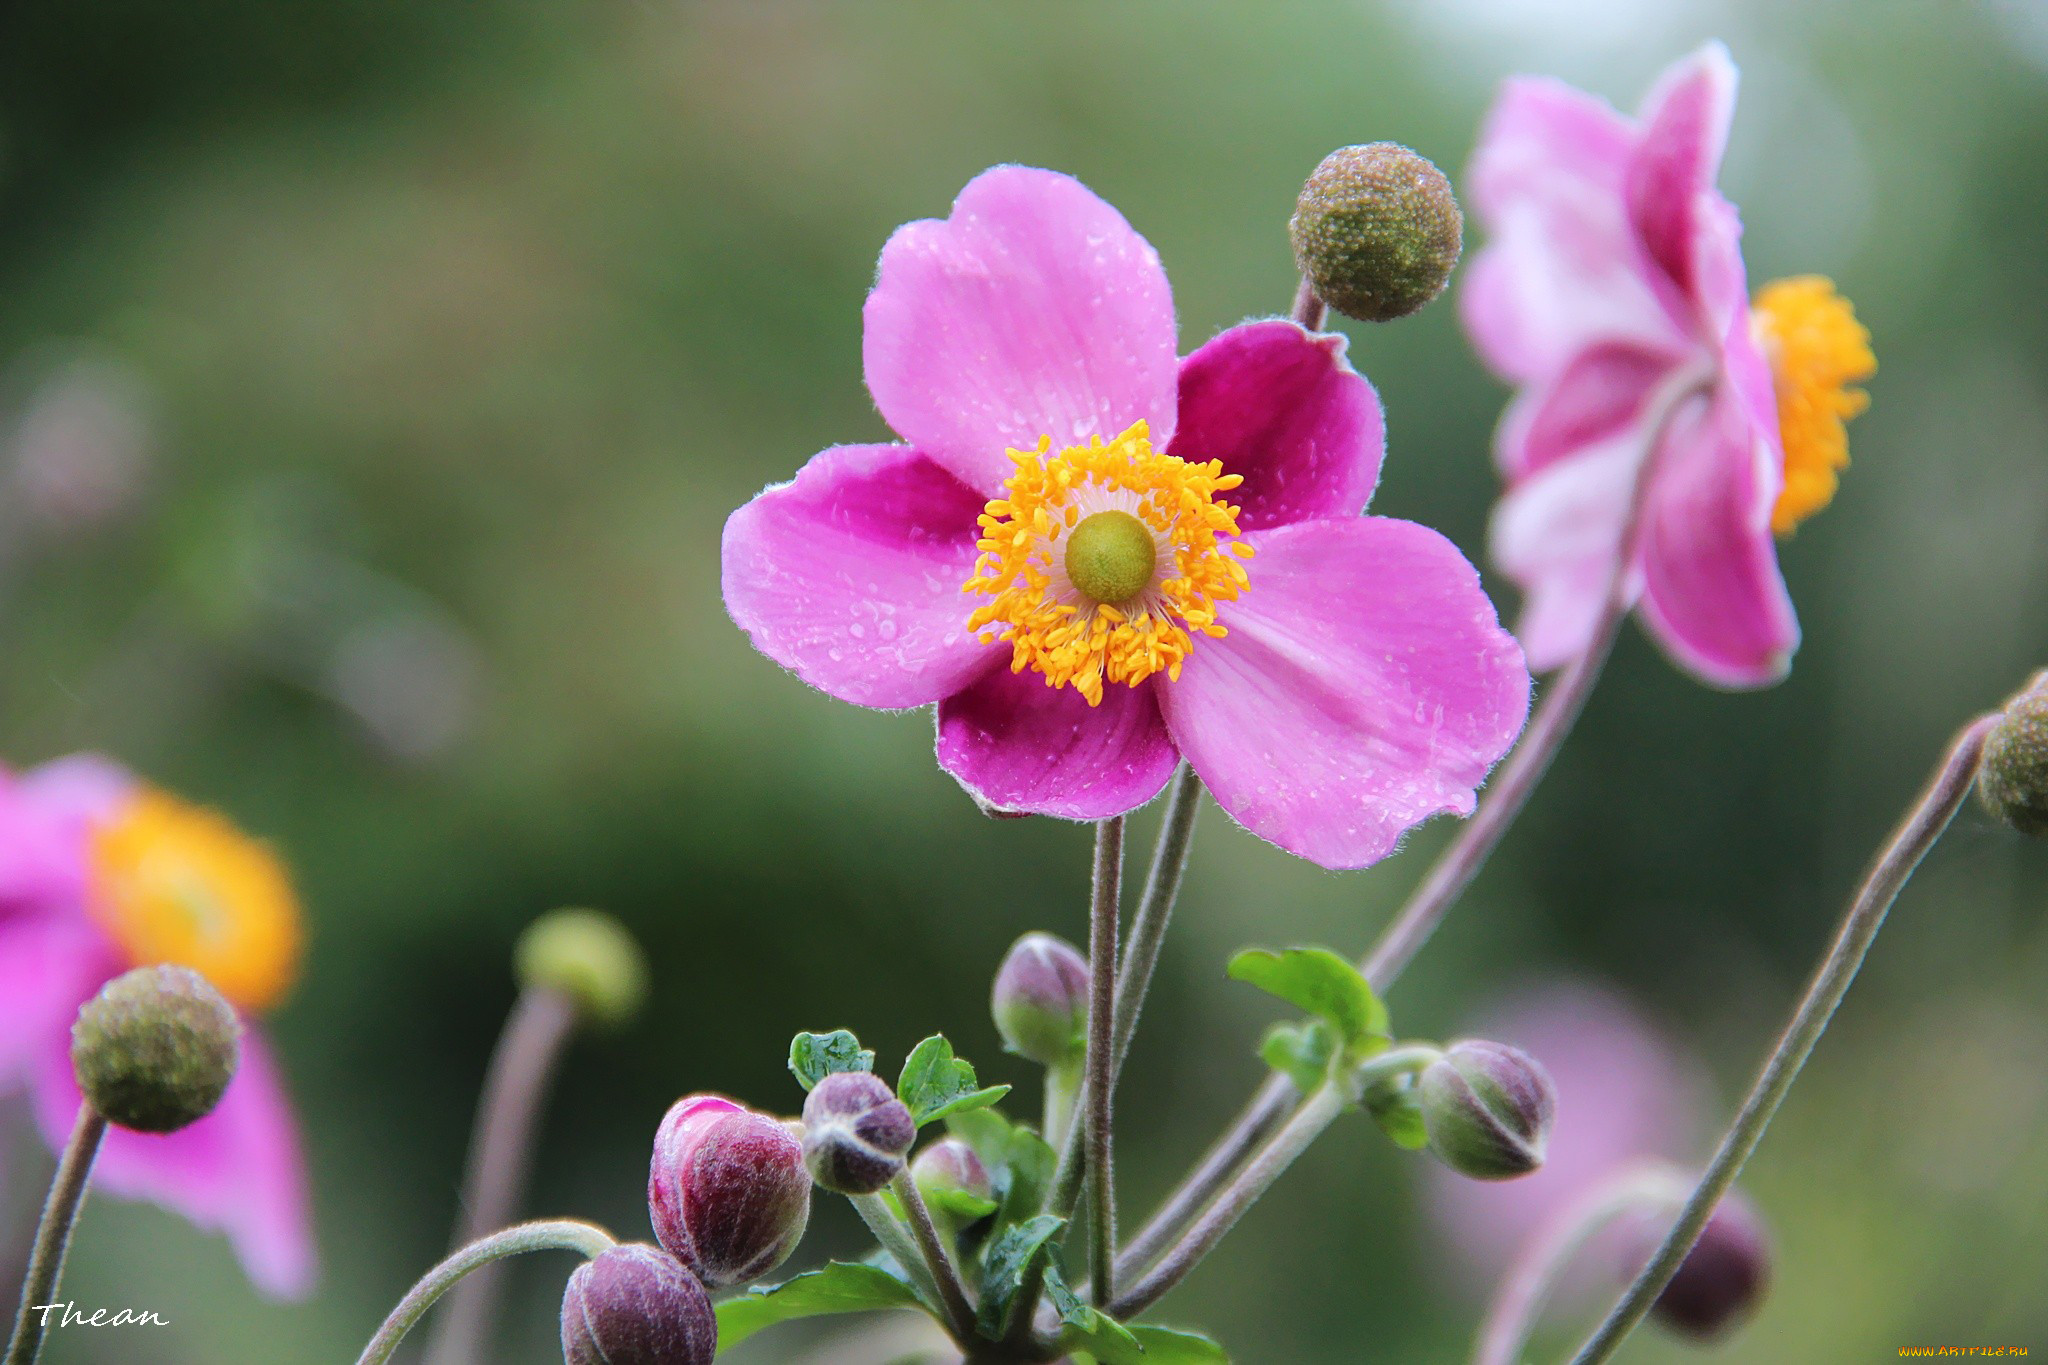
155,1049
1111,556
2013,782
589,957
1377,231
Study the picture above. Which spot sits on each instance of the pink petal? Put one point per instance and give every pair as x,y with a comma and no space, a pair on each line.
1018,745
850,576
46,819
1365,685
1561,267
1557,534
50,964
1712,592
238,1170
1285,410
1600,392
1669,183
1033,310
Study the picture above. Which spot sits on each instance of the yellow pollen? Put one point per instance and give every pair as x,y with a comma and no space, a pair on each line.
1816,349
177,883
1054,627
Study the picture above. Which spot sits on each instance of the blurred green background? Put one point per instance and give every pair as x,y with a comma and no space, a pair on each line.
390,369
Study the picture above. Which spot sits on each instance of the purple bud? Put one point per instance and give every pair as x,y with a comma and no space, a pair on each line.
636,1305
953,1181
1724,1276
727,1190
856,1133
1487,1108
1040,1001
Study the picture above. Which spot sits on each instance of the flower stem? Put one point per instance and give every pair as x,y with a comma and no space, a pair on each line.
1155,909
1528,1284
952,1293
53,1235
500,1157
1923,824
1316,1113
559,1234
898,1242
1100,1086
1310,311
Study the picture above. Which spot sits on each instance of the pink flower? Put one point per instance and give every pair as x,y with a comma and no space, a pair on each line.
1612,293
1335,679
100,873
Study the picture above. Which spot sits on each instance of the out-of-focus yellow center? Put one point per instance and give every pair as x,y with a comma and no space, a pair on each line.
1817,350
178,883
1037,580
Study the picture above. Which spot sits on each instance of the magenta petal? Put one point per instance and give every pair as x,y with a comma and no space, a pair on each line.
1018,745
1557,534
46,819
1712,592
1033,310
50,964
1669,184
850,576
1365,685
1285,410
238,1170
1601,392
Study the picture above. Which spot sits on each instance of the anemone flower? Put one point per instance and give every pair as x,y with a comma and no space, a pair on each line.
1612,293
1098,559
101,873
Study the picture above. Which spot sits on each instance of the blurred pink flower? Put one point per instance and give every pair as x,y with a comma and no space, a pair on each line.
1612,293
1061,489
98,875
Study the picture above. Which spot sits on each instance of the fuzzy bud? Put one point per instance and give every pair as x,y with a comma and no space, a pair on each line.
155,1049
856,1133
1377,231
727,1191
636,1305
589,957
1040,1000
1722,1279
1487,1109
2013,782
954,1182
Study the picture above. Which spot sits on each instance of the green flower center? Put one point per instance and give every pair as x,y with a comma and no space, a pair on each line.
1111,556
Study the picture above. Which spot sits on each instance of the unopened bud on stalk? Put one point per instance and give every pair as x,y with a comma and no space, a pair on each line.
637,1305
2013,782
954,1182
155,1049
1722,1278
727,1190
1487,1109
589,957
1040,1000
856,1133
1377,231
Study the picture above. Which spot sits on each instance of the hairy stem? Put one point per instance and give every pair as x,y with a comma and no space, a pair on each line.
560,1234
1100,1087
898,1242
1155,910
500,1157
1916,833
53,1235
952,1292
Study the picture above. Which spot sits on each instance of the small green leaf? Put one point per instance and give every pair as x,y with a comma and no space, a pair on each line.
1165,1346
841,1287
1087,1328
1301,1052
1019,1162
935,1083
814,1056
965,1205
1009,1258
1394,1109
1320,982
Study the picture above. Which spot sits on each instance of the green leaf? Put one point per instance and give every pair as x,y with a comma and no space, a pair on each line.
1165,1346
814,1056
1010,1257
935,1083
1301,1052
1086,1327
1322,983
1394,1109
841,1287
965,1206
1020,1164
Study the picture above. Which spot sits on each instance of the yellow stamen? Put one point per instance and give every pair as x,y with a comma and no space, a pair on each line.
1053,626
178,883
1816,349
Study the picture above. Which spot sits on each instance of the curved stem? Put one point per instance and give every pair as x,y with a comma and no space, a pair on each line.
1529,1282
500,1157
1923,824
897,1241
53,1236
1310,311
1099,1089
952,1293
1155,908
558,1234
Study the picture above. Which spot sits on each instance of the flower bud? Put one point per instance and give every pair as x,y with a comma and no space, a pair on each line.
727,1191
636,1305
1040,1001
953,1181
1487,1109
589,957
856,1133
1724,1276
2013,782
156,1048
1377,231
